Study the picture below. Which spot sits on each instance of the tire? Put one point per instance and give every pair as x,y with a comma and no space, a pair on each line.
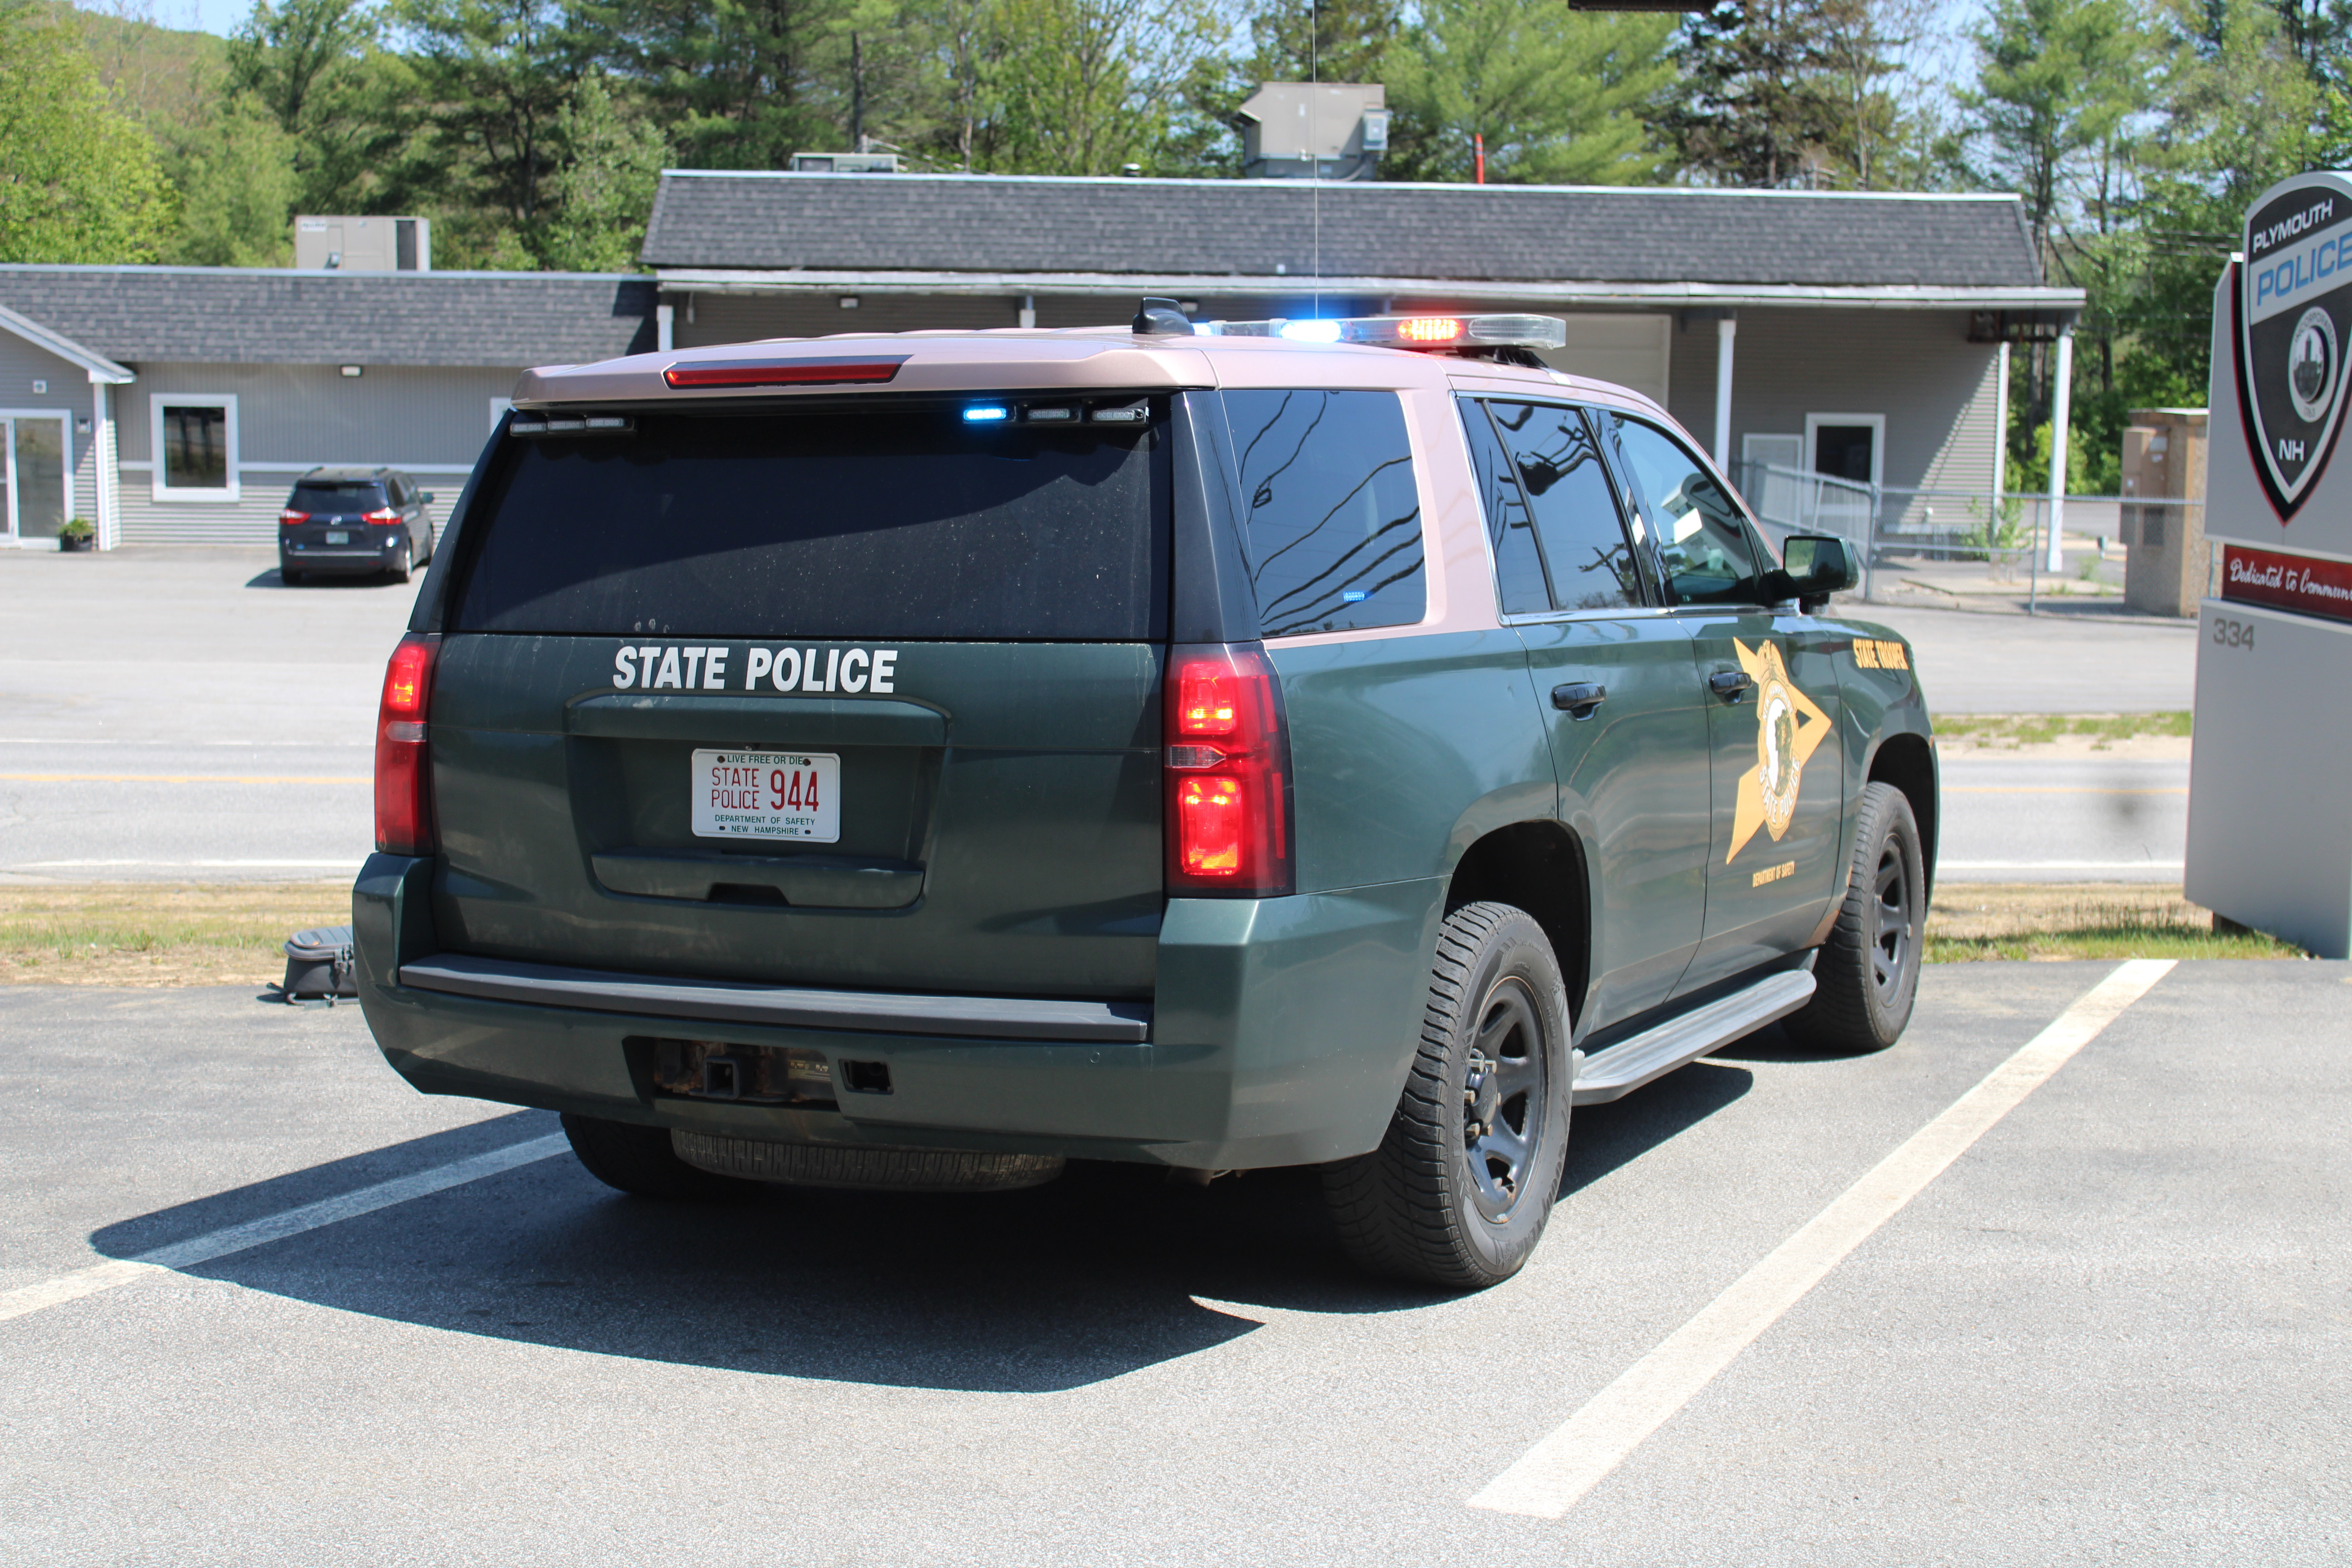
432,544
399,571
640,1160
288,576
1867,975
1458,1191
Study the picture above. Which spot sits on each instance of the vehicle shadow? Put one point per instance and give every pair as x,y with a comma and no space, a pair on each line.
274,579
1108,1270
1601,1138
1772,1044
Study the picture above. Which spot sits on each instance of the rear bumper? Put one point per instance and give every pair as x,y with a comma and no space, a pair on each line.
1279,1033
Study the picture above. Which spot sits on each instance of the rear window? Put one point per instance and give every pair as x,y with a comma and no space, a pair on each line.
1334,529
889,523
352,495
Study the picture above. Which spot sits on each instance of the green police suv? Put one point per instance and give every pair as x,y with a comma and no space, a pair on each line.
918,760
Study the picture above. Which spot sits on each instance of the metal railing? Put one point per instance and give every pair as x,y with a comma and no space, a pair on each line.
1888,524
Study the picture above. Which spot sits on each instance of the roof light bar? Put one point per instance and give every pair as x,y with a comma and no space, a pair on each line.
785,372
1430,332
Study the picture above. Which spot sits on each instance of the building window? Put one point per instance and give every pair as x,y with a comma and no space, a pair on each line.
195,447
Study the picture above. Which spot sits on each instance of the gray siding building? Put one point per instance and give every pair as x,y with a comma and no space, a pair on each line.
181,403
1857,335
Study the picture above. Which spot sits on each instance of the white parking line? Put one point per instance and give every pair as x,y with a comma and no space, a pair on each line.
1549,1478
27,1299
182,865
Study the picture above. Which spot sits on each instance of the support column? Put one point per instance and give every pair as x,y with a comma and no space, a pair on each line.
665,328
1726,327
2000,430
103,455
2061,401
1028,309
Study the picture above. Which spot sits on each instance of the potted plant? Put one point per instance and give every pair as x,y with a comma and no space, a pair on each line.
77,535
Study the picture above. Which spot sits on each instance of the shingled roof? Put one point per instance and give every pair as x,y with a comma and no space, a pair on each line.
221,315
1258,229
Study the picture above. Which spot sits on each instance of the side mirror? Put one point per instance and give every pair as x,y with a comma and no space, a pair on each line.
425,496
1812,567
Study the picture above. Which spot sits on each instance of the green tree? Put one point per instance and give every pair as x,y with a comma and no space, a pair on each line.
1758,101
1560,96
605,192
733,84
79,182
1082,87
237,183
2055,80
496,77
320,70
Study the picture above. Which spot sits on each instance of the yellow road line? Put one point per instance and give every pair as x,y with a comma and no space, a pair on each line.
188,778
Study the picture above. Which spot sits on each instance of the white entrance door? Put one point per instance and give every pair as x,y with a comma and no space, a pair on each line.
34,474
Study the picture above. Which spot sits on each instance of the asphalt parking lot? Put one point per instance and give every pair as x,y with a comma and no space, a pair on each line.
2113,1330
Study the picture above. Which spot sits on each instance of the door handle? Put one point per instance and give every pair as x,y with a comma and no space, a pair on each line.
1579,698
1728,684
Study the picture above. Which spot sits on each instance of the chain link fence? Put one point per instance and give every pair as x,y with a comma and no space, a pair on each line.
1892,527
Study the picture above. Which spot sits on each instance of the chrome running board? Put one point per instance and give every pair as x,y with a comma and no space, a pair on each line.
1655,1052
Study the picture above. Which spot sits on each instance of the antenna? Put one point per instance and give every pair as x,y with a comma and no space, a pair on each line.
1314,137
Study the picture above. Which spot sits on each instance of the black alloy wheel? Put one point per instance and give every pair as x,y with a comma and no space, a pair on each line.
1892,943
1502,1098
1866,975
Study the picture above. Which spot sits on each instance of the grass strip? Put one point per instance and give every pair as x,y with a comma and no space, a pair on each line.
1976,921
2005,729
145,933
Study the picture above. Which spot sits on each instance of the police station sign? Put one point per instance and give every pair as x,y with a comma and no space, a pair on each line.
2274,646
2283,325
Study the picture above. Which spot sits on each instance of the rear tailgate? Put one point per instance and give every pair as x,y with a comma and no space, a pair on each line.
863,699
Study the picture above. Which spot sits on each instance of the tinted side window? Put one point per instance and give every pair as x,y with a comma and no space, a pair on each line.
1518,568
399,488
1585,550
1333,526
1703,541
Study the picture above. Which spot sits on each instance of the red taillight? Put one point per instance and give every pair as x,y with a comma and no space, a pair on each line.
1430,329
786,372
381,514
289,517
404,779
1228,765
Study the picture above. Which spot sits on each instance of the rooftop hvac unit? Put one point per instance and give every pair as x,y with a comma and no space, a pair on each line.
846,163
363,243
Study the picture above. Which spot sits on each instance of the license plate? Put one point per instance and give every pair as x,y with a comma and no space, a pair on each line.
767,794
339,536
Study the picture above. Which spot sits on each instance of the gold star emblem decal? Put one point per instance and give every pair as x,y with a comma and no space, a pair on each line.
1789,725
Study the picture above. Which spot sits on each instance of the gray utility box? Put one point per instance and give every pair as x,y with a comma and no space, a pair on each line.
363,243
2270,824
2167,568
